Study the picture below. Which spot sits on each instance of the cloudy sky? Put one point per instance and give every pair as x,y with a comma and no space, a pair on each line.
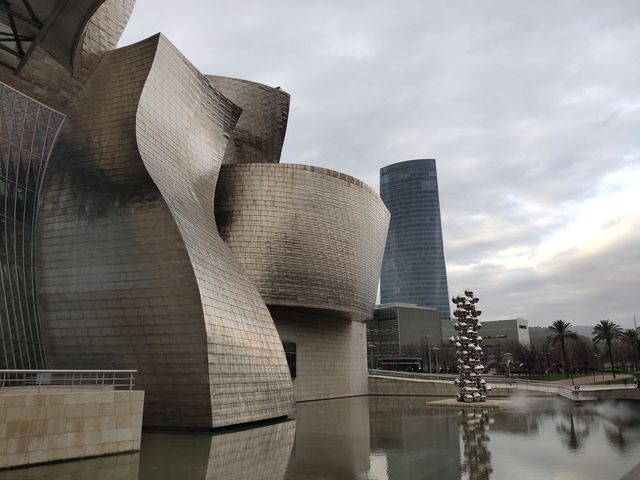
532,110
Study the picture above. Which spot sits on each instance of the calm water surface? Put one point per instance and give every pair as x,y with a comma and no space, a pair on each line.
388,438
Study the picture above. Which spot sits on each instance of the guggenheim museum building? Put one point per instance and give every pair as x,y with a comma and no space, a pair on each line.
148,224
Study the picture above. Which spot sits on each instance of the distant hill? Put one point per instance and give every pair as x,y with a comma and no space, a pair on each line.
584,330
539,335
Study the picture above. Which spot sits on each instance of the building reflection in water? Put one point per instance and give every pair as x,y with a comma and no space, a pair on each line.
332,439
412,438
257,453
115,467
385,438
474,427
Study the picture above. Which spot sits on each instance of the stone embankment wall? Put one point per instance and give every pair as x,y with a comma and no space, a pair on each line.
58,424
379,385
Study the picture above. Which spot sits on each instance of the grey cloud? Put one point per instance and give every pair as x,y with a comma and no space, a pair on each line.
521,103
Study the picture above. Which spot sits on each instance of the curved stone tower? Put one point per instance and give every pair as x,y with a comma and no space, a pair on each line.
132,270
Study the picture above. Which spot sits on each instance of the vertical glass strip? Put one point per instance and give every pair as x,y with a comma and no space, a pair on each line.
27,133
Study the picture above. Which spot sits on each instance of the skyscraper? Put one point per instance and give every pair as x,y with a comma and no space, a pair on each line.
413,269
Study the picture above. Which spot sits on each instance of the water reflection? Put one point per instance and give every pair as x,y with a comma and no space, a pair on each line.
572,435
474,426
418,442
116,467
387,438
254,454
332,439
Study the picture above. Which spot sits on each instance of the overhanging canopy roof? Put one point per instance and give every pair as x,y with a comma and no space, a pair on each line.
56,25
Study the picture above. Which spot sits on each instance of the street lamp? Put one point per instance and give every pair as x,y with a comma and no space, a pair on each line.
371,346
506,358
597,355
436,349
427,342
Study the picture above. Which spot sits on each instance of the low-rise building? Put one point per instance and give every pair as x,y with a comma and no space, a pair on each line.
404,330
501,332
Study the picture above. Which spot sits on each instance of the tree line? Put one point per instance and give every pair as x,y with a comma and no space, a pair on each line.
568,352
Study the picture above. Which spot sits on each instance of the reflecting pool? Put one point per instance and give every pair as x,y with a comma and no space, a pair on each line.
388,438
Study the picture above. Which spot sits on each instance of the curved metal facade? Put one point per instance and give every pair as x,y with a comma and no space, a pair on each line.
308,237
259,134
133,272
27,133
413,269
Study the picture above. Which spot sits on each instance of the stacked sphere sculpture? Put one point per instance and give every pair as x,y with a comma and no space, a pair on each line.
472,386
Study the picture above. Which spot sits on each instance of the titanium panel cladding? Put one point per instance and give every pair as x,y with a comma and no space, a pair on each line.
413,269
307,236
133,272
259,134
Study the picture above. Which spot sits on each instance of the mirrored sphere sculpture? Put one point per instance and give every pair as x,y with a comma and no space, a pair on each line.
472,387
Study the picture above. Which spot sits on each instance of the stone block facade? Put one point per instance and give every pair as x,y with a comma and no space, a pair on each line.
331,354
39,427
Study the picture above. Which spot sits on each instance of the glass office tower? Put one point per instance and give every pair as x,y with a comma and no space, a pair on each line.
413,269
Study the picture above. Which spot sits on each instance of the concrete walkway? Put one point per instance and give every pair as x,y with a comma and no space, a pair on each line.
588,380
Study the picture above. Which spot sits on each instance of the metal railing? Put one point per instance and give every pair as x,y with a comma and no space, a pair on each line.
114,379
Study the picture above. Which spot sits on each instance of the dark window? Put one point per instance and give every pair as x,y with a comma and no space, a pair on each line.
523,327
290,353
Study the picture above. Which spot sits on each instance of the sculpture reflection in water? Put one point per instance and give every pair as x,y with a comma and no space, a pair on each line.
474,426
252,454
574,430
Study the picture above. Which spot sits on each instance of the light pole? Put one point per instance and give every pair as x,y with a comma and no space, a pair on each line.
507,359
371,346
427,342
599,357
436,349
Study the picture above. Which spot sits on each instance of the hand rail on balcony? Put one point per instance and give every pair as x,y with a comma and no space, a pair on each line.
115,379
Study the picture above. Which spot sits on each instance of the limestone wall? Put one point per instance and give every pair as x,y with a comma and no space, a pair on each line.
426,388
45,427
331,354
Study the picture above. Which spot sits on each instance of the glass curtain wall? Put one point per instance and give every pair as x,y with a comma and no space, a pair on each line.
27,132
413,268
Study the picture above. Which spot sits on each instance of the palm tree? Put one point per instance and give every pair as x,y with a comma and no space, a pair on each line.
561,333
607,331
630,337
